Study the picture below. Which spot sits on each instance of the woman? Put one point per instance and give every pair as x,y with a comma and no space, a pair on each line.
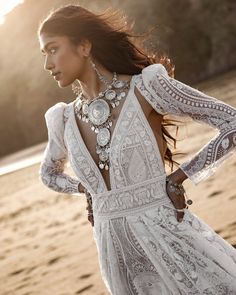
147,240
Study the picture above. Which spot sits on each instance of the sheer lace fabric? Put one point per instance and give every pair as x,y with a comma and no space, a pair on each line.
168,95
55,154
152,253
142,248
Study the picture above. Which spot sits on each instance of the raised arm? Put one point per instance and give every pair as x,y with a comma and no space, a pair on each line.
167,95
55,155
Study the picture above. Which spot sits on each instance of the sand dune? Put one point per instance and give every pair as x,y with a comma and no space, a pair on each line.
46,242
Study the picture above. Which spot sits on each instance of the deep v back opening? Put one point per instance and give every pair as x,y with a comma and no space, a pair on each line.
94,165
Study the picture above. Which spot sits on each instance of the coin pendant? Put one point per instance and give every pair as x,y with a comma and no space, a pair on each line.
118,84
98,149
110,94
98,111
103,136
119,97
103,156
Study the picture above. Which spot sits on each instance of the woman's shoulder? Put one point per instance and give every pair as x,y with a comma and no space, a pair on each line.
153,69
151,72
57,114
57,108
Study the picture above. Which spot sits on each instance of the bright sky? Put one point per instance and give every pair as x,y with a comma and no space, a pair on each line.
6,6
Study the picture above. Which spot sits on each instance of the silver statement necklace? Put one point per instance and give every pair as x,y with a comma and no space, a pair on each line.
97,112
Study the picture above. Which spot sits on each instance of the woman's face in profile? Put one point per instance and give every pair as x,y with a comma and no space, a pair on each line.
63,59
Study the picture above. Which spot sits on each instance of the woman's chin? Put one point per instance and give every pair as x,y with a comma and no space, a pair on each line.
61,83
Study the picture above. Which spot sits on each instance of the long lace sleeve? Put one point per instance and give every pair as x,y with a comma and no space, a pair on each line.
167,95
55,154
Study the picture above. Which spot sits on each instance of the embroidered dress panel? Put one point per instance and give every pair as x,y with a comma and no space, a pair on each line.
142,248
113,135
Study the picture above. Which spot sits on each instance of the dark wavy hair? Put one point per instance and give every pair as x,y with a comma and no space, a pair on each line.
114,45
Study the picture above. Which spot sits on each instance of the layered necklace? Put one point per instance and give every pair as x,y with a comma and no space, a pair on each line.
97,112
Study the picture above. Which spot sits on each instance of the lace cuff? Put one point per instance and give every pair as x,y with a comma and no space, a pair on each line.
168,95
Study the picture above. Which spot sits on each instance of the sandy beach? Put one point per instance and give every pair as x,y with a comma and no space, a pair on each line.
47,247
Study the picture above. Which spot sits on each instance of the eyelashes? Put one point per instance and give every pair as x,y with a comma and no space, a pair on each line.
50,51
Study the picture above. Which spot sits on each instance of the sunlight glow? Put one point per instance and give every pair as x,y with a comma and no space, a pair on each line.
6,6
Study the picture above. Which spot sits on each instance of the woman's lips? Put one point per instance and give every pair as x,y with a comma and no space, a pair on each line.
57,76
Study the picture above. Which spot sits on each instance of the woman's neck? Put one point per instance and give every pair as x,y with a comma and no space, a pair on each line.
91,84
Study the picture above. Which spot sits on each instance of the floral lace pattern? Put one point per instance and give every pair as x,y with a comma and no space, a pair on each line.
135,156
80,159
55,154
168,95
54,178
142,248
152,253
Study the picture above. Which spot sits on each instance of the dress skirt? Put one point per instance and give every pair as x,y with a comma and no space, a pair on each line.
144,250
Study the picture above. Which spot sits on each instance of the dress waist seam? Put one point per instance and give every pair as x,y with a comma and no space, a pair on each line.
132,211
129,187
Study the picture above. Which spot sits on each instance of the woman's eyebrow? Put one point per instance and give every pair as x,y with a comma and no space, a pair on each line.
43,49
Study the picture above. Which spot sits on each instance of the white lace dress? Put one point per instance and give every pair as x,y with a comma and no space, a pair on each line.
143,249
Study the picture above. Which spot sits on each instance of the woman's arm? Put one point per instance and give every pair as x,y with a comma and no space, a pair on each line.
171,96
55,155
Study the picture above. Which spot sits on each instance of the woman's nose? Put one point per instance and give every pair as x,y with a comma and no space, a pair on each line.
48,65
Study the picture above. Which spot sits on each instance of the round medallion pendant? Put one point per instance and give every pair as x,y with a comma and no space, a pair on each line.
119,84
103,156
98,111
110,94
103,136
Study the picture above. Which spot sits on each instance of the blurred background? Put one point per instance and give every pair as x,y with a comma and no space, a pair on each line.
199,36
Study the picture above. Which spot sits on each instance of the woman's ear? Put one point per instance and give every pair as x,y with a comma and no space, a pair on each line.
85,47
